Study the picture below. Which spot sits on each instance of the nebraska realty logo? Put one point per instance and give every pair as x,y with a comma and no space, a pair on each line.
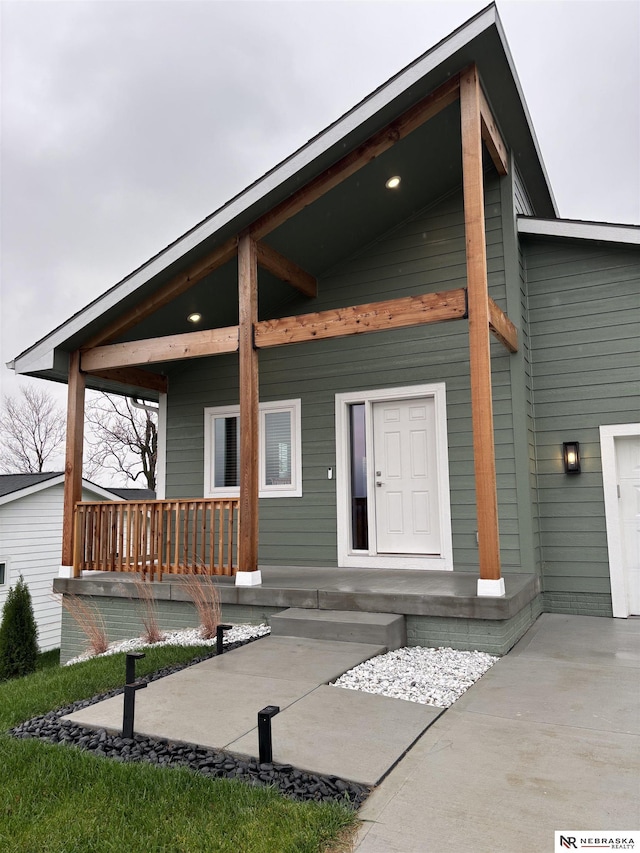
571,839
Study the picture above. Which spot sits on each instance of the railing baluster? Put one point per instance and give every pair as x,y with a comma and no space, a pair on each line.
230,510
158,537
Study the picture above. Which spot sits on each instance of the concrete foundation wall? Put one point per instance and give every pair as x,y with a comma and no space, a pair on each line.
122,617
483,635
578,603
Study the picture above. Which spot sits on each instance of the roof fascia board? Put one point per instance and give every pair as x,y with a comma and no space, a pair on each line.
579,230
32,489
39,357
56,481
100,491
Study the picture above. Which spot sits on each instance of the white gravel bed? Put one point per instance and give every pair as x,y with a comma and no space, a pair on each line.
186,637
429,676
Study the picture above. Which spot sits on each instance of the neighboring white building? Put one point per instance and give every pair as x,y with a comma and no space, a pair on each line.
31,541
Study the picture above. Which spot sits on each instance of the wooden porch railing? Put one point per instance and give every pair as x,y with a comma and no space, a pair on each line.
157,537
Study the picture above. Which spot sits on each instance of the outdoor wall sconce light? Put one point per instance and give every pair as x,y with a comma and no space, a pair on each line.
571,457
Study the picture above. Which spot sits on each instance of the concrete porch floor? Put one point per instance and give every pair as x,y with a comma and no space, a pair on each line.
439,608
417,593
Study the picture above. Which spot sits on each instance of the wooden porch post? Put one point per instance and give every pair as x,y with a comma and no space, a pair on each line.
248,574
73,463
490,581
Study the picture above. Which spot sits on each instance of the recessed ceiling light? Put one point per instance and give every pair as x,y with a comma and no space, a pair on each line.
393,183
195,317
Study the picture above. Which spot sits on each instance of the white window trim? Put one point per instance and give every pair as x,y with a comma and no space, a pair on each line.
608,435
347,557
161,463
294,490
7,572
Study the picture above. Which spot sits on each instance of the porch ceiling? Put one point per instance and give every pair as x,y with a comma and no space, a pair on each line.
333,228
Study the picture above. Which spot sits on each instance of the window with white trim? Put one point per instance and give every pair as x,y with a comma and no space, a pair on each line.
4,573
280,458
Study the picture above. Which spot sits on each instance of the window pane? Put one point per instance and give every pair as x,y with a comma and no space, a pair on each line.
2,573
358,450
227,452
277,443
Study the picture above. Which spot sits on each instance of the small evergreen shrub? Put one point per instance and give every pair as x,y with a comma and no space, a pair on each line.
18,633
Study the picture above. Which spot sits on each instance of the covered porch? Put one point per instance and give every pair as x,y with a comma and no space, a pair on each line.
182,536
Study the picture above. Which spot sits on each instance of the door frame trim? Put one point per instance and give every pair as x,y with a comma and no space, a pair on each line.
347,557
608,435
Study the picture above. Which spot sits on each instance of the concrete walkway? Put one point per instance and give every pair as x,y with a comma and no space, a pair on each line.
548,739
321,729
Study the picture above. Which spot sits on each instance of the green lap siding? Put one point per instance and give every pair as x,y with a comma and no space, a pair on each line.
584,304
425,254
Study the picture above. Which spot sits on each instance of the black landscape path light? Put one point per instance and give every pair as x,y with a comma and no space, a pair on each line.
220,629
130,687
264,732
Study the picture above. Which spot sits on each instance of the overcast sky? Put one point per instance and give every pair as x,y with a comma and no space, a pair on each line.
124,123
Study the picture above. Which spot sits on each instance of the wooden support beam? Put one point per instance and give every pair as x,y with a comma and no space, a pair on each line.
143,379
167,293
376,316
156,350
73,458
502,328
286,270
359,157
478,298
492,137
417,115
249,400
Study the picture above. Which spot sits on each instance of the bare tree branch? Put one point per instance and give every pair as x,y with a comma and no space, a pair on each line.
32,431
122,438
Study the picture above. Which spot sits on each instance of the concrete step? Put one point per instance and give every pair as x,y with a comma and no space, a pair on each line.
385,629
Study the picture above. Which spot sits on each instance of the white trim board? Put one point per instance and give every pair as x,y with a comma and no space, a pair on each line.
577,230
608,435
349,558
161,462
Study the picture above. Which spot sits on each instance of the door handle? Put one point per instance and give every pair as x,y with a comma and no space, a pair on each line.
378,483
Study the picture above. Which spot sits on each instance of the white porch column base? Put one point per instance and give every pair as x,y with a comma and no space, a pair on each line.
249,578
65,572
494,588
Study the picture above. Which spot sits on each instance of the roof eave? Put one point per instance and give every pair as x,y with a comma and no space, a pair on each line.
576,229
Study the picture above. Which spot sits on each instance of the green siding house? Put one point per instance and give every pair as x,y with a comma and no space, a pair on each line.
390,377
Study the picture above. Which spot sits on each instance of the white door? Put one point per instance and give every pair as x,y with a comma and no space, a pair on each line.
407,518
628,469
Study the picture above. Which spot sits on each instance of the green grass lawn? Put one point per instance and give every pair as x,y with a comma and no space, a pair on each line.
57,799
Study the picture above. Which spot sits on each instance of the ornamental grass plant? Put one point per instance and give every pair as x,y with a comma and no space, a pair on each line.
148,607
89,619
203,591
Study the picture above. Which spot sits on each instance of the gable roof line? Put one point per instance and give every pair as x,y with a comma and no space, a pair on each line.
40,356
580,230
54,479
